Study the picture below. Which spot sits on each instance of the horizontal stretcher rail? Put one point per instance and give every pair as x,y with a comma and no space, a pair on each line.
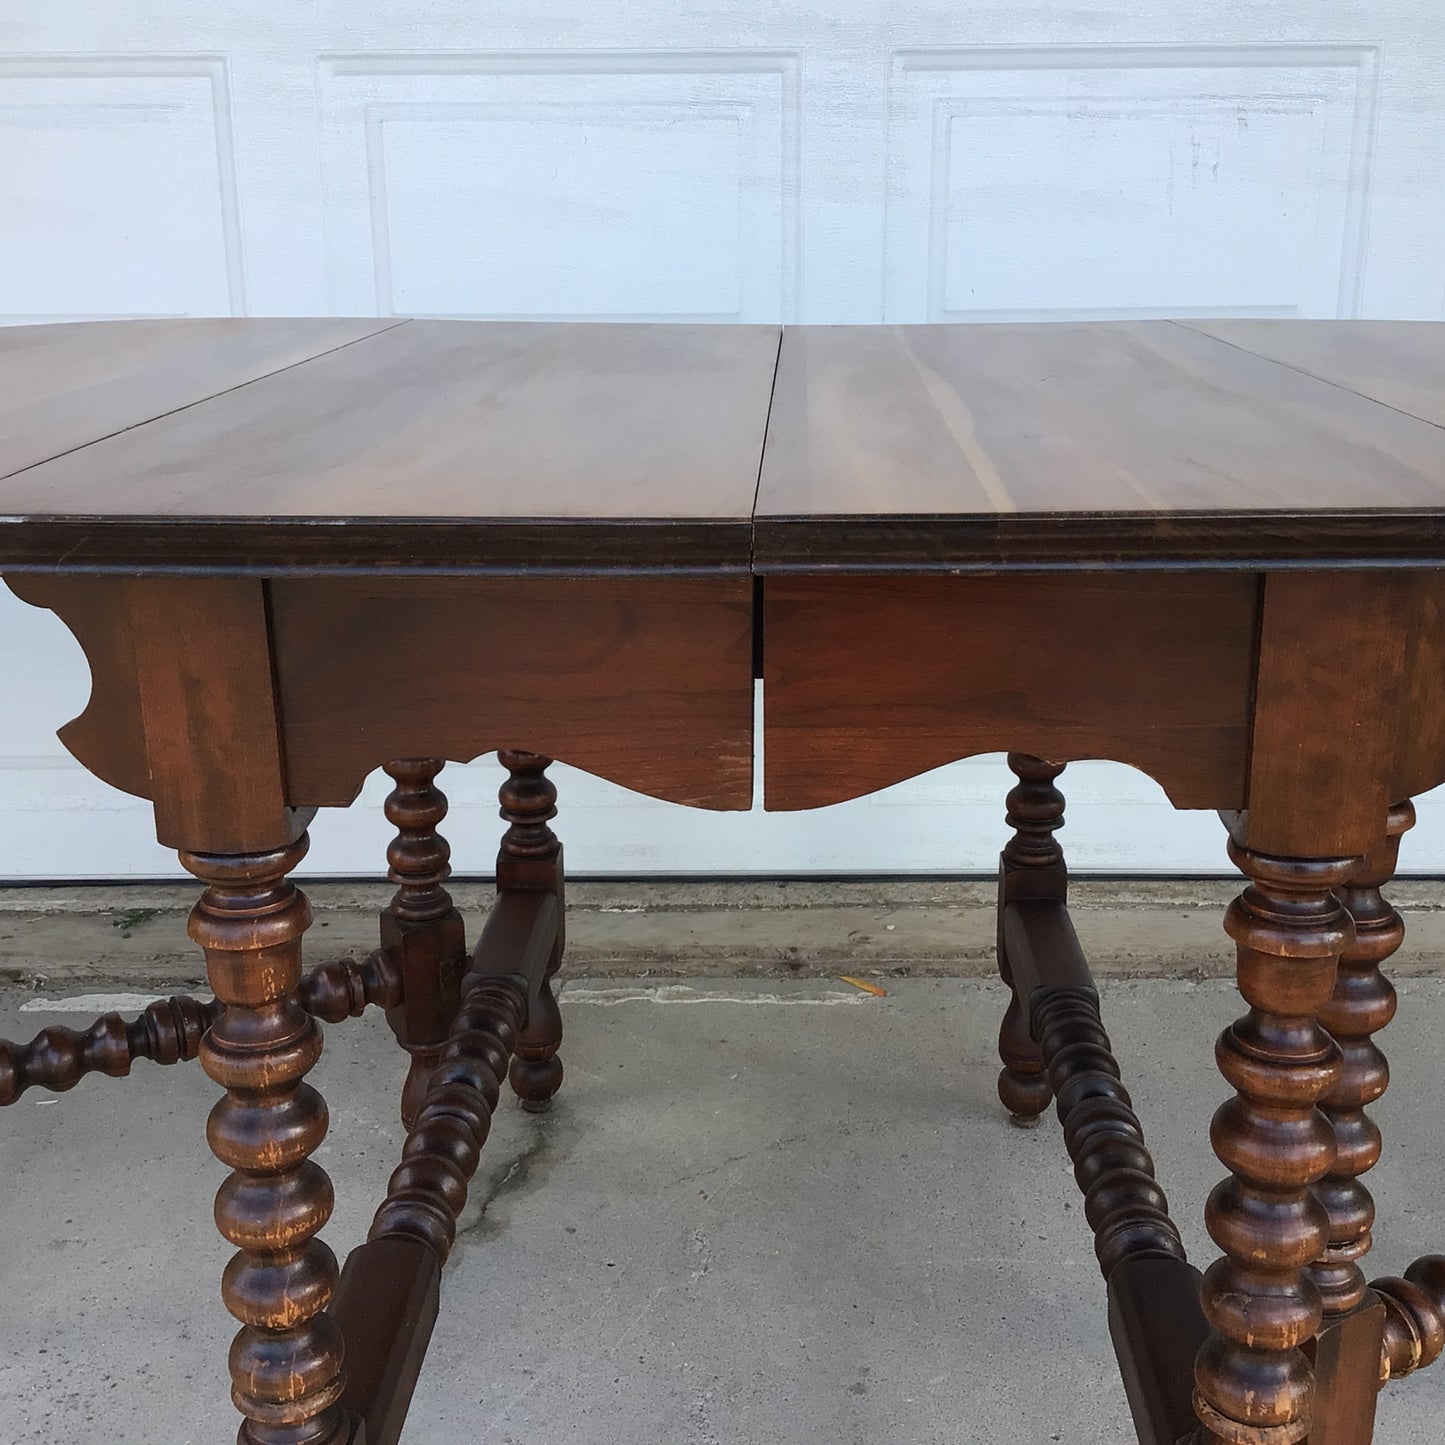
169,1031
386,1302
1154,1311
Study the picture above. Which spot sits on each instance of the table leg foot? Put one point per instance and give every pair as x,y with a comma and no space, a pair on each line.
1254,1385
1031,866
1022,1091
531,859
286,1361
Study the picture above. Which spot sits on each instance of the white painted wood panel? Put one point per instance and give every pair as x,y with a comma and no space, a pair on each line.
833,162
119,189
1053,182
548,186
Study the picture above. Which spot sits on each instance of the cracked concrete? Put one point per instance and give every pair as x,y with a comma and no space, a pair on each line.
503,1180
78,938
755,1217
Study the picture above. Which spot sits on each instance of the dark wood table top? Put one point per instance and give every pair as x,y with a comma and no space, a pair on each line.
472,445
1105,443
521,447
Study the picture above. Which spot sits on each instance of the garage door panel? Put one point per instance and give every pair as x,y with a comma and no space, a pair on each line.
605,187
119,189
1067,182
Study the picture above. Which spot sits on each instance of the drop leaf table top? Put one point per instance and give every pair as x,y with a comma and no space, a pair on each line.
245,444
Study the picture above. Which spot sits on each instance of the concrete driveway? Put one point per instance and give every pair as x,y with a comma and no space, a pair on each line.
763,1212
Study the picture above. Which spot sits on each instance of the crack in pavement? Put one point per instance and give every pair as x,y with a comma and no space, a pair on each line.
522,1173
771,1146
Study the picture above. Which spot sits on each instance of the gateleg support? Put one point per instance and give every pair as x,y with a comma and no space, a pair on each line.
530,861
1030,867
421,930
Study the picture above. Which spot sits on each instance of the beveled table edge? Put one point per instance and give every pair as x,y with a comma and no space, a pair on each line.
1036,542
1054,541
489,546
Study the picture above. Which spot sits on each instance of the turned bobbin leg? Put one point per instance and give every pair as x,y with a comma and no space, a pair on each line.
286,1361
1254,1385
1362,1004
531,859
420,927
1031,866
1348,1350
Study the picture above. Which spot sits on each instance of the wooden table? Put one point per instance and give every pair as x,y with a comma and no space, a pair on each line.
294,551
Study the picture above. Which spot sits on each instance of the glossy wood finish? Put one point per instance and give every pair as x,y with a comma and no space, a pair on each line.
613,446
1414,1317
182,708
1158,1329
527,445
1031,866
287,1360
1254,1386
421,928
66,387
1155,1317
946,447
886,677
646,681
386,1303
344,988
209,712
1362,1004
1336,682
1346,1357
1327,706
1123,1204
428,1189
225,692
530,861
643,680
502,1013
1400,364
387,1299
169,1031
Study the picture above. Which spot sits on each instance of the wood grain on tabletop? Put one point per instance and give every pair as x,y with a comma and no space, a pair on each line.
1078,431
63,387
453,419
1398,363
453,443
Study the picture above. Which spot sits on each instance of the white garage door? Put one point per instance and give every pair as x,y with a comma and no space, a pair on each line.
845,161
